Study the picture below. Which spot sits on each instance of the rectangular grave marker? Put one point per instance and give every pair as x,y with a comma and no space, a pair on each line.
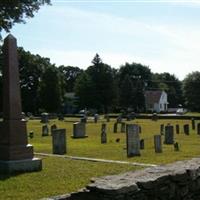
162,129
59,141
123,127
158,143
186,129
198,128
193,123
115,127
103,134
177,129
133,140
79,130
45,130
169,134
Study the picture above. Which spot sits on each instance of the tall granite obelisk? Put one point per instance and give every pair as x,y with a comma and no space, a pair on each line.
16,155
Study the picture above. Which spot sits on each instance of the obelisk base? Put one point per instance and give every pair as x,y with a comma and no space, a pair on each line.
28,165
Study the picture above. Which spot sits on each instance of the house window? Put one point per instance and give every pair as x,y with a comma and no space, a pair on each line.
160,106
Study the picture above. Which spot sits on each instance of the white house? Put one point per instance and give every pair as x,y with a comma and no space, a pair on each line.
156,101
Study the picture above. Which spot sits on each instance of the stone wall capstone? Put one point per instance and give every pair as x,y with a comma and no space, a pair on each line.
176,181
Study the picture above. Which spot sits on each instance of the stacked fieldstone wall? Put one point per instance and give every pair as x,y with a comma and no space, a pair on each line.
177,181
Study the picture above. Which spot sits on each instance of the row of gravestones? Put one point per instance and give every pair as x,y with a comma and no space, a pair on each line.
133,141
134,144
79,130
186,129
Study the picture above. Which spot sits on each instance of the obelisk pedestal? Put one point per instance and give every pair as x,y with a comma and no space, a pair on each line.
16,155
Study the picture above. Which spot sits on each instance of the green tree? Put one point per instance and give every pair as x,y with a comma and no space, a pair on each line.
170,84
191,91
139,75
84,88
31,67
70,74
101,75
126,92
14,11
50,90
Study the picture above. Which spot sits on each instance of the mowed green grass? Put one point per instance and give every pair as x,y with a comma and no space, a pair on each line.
60,175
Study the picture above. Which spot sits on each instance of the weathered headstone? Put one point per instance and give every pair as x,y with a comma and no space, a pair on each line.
176,146
115,127
133,140
169,134
31,134
61,117
44,118
59,141
186,129
45,130
84,119
162,129
123,127
79,130
198,128
154,117
193,123
177,129
142,144
158,143
103,134
133,115
128,117
106,116
96,116
16,155
53,127
119,119
140,129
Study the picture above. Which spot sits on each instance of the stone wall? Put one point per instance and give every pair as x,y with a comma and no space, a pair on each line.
177,181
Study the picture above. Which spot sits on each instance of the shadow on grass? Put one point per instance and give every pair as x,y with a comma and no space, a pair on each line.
9,175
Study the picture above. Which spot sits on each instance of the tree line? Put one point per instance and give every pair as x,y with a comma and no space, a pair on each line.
44,86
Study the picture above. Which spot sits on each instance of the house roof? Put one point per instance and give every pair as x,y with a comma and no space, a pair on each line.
152,97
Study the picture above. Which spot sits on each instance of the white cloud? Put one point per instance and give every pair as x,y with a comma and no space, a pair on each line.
80,34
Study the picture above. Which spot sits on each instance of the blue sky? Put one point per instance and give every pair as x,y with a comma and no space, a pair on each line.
164,35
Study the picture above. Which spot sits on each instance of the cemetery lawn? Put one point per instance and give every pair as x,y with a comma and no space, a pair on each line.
59,176
91,146
63,175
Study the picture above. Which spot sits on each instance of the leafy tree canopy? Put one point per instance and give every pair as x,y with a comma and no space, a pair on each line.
191,91
14,11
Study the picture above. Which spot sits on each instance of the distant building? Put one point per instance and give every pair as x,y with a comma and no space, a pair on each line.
156,101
